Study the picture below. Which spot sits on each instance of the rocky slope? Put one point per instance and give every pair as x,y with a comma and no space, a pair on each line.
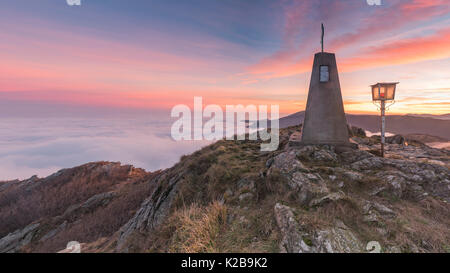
83,203
230,197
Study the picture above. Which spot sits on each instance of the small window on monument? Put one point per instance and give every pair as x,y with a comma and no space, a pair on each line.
324,73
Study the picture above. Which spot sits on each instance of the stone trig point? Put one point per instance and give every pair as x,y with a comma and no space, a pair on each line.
325,121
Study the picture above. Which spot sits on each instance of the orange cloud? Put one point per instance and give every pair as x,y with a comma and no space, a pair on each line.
292,59
401,52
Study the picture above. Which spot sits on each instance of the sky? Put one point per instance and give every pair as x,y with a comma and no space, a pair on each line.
151,55
97,81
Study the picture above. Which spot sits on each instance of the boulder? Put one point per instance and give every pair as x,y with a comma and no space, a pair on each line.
339,239
296,240
354,131
397,139
307,186
332,197
292,237
321,153
287,162
352,175
371,163
153,210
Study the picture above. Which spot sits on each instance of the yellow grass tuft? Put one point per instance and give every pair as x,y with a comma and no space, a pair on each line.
198,228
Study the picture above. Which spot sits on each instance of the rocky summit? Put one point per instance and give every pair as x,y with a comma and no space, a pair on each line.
231,197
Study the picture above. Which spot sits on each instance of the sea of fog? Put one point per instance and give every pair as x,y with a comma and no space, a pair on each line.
42,146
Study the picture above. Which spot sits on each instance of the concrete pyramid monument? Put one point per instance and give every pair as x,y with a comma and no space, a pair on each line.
325,121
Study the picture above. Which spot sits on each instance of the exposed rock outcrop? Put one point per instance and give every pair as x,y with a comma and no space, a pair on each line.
18,239
330,240
153,209
82,203
298,199
292,237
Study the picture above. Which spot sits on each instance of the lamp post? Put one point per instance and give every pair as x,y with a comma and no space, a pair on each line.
382,93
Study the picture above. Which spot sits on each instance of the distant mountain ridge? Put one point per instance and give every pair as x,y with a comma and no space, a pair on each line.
444,116
396,124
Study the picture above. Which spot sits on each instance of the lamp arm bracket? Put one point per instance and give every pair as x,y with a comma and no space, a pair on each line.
392,103
376,105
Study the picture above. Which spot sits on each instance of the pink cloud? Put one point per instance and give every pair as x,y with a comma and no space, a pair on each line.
292,59
411,50
85,69
398,15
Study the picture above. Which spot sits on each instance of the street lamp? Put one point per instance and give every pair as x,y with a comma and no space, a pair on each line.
382,92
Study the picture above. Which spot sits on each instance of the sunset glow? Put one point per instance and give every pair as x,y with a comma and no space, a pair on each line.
154,55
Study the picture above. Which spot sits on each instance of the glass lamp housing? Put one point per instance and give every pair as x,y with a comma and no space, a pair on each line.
383,91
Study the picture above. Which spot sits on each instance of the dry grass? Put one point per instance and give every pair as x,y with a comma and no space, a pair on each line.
20,206
197,229
197,223
216,168
251,230
216,228
424,224
86,227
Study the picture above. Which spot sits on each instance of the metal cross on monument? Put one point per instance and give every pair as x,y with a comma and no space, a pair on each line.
323,33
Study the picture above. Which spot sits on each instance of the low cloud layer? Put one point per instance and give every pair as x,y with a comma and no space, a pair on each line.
41,146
